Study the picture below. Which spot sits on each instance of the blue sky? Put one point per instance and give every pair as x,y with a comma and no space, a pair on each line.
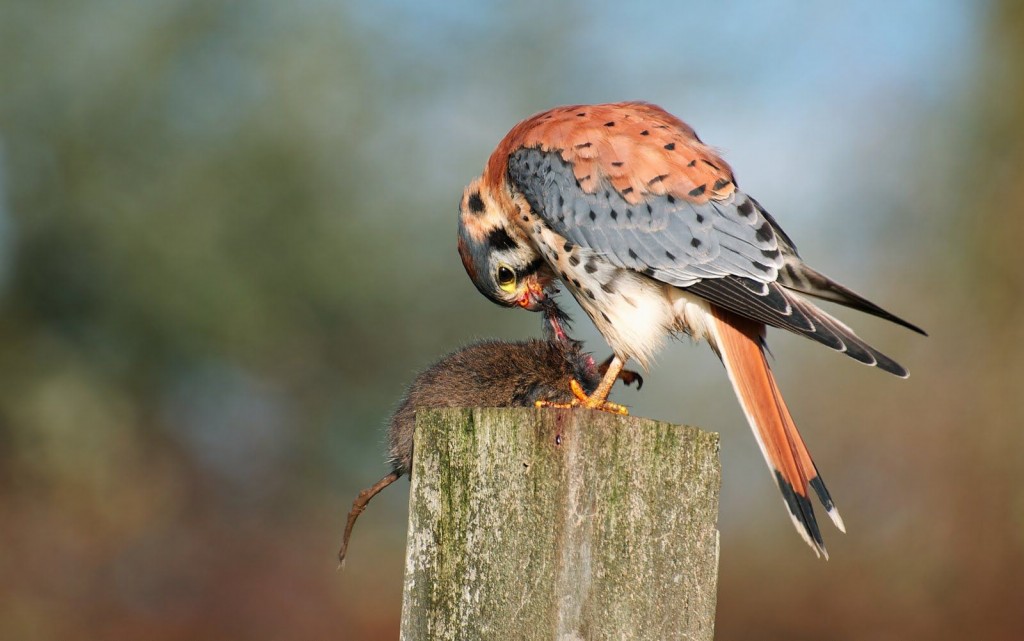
783,89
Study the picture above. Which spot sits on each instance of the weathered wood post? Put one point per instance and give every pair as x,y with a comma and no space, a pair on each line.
558,524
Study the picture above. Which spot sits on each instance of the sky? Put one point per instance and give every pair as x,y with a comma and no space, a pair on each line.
789,93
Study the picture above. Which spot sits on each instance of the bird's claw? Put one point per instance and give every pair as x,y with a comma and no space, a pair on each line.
583,400
627,376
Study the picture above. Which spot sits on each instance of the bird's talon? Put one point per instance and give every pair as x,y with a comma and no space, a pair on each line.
577,391
582,400
554,405
592,403
627,376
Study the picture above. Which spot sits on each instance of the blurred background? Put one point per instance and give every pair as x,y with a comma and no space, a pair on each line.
227,244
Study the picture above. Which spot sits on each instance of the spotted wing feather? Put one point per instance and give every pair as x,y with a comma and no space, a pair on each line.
673,239
725,252
637,185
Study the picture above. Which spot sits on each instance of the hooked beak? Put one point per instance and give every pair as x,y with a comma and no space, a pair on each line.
533,298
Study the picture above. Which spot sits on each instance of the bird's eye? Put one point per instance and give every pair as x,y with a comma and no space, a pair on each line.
506,278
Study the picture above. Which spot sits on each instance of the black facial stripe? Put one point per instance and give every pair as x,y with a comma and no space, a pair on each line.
475,203
500,240
530,268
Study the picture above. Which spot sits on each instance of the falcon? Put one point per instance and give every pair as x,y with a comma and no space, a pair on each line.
645,225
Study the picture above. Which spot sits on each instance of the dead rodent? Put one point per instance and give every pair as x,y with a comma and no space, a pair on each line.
490,373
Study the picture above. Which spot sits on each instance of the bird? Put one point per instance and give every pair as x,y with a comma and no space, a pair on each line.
646,227
489,373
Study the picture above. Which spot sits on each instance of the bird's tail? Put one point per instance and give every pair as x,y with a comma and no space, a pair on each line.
739,343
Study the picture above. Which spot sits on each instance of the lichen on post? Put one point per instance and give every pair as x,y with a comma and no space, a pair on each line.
560,524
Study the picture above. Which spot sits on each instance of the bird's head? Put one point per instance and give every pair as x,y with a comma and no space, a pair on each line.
497,255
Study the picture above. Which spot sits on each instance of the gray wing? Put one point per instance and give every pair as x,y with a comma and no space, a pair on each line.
729,251
671,239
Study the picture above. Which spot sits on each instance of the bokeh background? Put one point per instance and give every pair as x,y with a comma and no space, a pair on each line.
227,243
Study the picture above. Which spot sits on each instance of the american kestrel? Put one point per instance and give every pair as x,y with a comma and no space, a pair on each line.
645,226
486,374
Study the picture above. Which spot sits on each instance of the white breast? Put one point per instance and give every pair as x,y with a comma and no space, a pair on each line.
633,312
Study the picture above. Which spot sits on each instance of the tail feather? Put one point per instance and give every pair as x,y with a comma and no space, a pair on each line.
804,459
739,343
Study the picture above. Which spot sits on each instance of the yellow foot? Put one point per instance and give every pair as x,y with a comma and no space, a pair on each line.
582,400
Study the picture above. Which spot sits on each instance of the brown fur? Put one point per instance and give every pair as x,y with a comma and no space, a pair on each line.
486,374
490,374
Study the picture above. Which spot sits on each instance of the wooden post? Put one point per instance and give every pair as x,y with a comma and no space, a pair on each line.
559,524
